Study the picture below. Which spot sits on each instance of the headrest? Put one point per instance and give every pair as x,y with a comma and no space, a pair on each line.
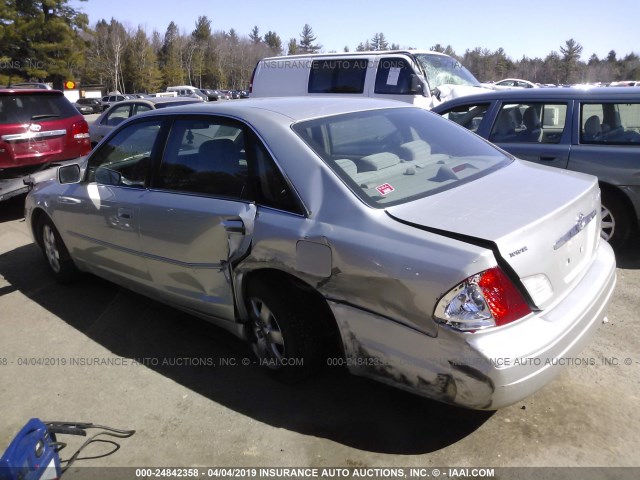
378,161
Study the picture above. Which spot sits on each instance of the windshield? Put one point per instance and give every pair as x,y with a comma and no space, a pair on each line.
445,70
396,155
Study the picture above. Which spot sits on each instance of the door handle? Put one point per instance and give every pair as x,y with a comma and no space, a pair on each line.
125,213
547,159
233,225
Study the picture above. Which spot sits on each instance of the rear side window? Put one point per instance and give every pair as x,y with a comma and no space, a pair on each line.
33,107
610,123
394,76
530,123
338,76
205,156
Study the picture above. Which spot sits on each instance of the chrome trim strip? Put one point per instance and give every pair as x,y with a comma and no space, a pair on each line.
581,222
31,135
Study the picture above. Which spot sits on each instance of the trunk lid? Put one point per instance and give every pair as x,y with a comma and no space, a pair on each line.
543,222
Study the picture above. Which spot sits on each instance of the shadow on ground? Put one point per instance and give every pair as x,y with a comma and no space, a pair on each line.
12,209
335,405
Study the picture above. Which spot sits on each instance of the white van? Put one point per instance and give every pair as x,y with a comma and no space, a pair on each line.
188,91
423,78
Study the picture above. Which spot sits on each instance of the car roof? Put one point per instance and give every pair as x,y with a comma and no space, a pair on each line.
153,100
295,108
28,91
355,54
558,94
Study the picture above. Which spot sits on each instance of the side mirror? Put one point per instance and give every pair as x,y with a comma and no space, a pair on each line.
416,85
69,174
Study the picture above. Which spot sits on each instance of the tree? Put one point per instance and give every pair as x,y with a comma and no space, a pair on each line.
292,47
363,47
197,67
39,39
570,56
306,40
171,57
379,42
140,66
254,36
272,40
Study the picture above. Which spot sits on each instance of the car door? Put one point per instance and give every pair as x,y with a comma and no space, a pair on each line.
537,131
100,215
197,219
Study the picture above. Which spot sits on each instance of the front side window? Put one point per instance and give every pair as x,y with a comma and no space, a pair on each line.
394,76
117,115
530,123
126,159
469,116
205,156
610,123
413,155
338,76
140,107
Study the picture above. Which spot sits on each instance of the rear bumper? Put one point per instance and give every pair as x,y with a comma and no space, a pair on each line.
12,187
535,350
485,370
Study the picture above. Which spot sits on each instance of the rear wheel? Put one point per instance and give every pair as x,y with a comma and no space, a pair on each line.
616,221
56,253
284,337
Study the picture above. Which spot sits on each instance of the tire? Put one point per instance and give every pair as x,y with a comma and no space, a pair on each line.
55,253
616,221
285,340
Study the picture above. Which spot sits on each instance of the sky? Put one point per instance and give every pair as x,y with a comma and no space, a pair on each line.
522,28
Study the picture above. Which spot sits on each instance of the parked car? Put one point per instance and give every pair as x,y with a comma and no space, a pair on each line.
432,260
595,131
420,77
114,116
110,99
87,106
212,95
515,83
188,91
38,127
38,85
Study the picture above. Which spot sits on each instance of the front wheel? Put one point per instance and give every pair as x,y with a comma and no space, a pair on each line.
284,337
56,253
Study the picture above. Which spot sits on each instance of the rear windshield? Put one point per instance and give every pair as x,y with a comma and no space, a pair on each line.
396,155
23,108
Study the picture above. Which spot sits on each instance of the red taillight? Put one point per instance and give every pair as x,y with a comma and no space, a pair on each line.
80,130
505,301
486,299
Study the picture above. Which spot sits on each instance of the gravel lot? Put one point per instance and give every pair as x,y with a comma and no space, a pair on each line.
205,415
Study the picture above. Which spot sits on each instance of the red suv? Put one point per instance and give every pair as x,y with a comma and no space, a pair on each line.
38,127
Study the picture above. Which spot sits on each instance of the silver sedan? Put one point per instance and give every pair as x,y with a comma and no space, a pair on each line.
119,112
343,232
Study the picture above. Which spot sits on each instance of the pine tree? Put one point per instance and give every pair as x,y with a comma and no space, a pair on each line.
306,40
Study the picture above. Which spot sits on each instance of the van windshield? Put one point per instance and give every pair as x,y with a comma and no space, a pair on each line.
445,70
396,155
